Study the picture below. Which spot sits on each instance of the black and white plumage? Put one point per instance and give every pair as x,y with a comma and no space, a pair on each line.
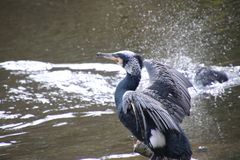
153,115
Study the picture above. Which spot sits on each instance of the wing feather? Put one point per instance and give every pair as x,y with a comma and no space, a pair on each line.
144,106
170,88
182,79
136,114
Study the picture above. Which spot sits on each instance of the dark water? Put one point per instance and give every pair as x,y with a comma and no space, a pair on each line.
56,98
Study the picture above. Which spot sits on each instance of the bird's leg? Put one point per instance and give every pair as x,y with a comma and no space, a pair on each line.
142,149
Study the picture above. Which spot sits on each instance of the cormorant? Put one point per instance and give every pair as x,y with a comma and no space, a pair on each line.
153,115
206,76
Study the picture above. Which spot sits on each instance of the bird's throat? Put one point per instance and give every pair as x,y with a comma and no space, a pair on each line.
129,83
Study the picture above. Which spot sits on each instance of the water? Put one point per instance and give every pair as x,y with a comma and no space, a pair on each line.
57,98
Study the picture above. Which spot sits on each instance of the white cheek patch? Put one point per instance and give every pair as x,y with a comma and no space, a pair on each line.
157,139
133,67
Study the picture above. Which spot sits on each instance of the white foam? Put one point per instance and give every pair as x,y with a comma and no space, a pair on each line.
25,65
60,124
8,126
4,115
97,113
34,66
91,66
27,116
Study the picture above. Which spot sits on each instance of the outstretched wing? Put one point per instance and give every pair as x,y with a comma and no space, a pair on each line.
170,88
148,114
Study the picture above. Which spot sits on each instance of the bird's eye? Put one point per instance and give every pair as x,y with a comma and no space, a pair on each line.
119,61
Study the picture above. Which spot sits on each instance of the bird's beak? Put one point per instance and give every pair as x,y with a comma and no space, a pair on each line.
109,56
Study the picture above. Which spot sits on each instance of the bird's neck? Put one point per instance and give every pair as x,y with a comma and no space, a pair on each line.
129,83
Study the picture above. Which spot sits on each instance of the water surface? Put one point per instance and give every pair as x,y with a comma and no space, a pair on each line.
57,98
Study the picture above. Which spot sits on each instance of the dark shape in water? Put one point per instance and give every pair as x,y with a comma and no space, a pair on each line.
153,116
206,76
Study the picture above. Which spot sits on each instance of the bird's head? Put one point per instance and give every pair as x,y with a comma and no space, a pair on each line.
129,60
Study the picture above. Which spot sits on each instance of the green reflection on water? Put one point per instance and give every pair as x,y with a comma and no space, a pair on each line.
73,31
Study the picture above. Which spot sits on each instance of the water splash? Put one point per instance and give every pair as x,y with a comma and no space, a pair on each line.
189,68
172,29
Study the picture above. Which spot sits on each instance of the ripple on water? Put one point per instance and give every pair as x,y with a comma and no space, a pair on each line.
4,144
74,86
60,124
11,135
46,119
97,113
114,156
9,143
